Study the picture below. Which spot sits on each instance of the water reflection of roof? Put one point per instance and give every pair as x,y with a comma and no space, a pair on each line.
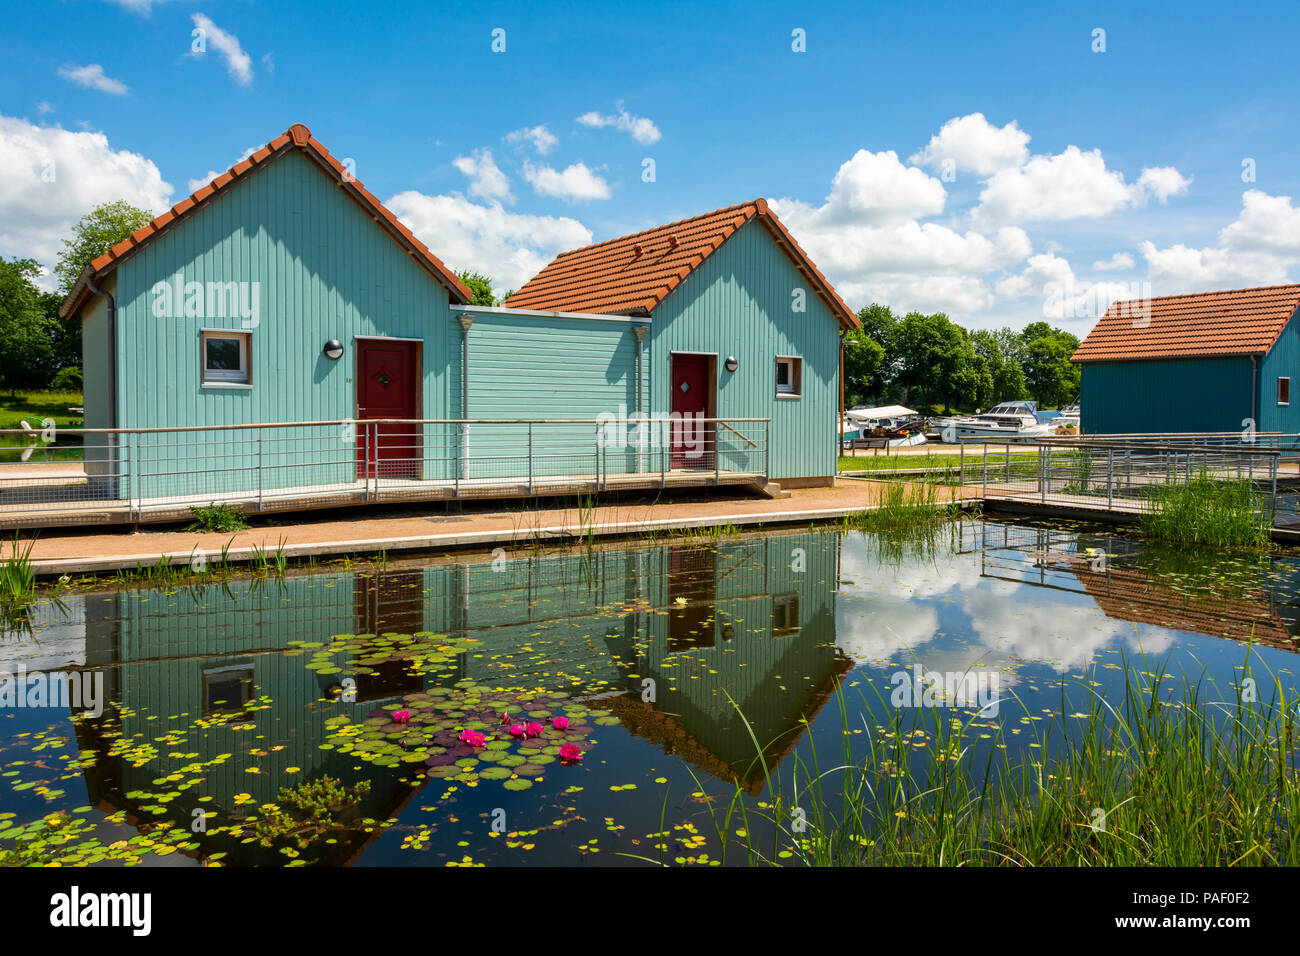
1131,595
667,731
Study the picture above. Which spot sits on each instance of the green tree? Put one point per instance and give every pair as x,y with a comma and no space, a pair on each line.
935,361
863,357
1050,376
480,285
26,333
1003,380
879,325
98,231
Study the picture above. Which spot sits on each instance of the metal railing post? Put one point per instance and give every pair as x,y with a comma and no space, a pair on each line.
259,469
1110,478
717,465
530,458
1008,453
767,449
460,462
984,491
664,448
961,465
138,483
1042,474
1272,519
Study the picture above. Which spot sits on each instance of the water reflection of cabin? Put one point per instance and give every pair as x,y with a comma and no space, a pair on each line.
703,622
1126,588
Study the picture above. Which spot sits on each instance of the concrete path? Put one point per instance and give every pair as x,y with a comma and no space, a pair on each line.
431,528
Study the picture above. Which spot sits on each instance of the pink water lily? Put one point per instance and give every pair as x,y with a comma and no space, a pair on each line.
570,753
560,723
401,716
472,737
534,729
518,730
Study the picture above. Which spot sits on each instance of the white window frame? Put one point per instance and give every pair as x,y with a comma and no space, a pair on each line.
795,364
224,378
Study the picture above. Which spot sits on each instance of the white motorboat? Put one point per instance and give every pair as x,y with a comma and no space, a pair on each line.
900,425
1009,421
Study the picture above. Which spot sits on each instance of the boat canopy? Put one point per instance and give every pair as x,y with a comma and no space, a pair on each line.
884,411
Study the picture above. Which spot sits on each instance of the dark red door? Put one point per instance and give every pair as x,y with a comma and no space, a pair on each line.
388,379
690,404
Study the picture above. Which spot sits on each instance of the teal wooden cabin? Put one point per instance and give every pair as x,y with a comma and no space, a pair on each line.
1209,362
284,292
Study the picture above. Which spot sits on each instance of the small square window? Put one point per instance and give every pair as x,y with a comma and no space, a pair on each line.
789,374
785,614
227,690
226,358
1284,391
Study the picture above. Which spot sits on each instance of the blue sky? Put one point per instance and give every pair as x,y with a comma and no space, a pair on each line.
1031,176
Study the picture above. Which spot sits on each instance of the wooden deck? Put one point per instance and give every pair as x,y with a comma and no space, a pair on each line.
74,512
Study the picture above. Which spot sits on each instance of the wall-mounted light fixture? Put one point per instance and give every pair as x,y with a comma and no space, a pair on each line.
333,349
731,364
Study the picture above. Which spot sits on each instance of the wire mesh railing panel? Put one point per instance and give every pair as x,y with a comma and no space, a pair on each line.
132,475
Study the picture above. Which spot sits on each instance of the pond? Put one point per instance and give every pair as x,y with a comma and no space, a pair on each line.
579,707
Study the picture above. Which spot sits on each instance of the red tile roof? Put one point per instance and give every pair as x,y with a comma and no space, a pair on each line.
296,136
633,274
1235,322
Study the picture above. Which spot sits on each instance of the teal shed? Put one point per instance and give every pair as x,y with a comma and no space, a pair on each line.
1206,362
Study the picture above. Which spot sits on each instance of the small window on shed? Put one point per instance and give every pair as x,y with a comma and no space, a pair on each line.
226,358
1284,391
789,375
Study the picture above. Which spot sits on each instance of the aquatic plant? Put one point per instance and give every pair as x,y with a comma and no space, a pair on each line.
314,809
456,728
1208,511
1150,777
905,505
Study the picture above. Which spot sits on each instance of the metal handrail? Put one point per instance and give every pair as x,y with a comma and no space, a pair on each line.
631,420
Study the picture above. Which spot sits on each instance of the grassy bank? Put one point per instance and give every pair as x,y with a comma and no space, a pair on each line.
40,405
1023,464
1145,779
1221,514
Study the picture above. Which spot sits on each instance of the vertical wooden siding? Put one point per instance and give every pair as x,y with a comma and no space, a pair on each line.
738,302
325,270
1175,395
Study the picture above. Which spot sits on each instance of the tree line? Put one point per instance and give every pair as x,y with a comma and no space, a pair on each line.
929,361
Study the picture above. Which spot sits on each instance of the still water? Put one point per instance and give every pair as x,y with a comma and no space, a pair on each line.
622,674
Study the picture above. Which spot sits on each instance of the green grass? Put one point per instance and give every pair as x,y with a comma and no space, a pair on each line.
1192,777
221,518
1023,464
1222,514
39,405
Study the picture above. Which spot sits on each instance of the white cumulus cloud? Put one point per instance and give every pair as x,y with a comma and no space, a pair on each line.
53,177
509,247
539,137
487,181
641,129
575,183
238,63
93,77
1259,247
974,144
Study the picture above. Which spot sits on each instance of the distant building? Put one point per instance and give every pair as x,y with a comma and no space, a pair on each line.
1209,362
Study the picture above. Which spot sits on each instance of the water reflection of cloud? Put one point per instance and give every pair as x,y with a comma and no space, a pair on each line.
895,613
